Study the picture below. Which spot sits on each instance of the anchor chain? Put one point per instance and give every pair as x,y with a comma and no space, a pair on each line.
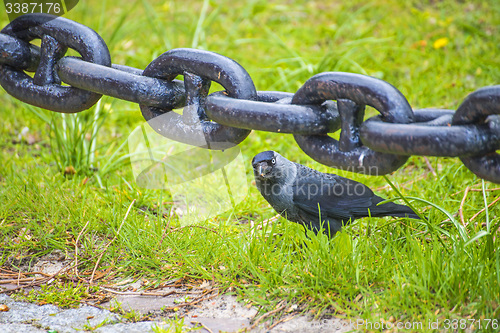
326,103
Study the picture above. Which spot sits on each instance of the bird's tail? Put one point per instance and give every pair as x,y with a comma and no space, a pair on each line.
395,210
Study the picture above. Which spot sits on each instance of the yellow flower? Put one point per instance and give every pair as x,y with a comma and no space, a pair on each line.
441,42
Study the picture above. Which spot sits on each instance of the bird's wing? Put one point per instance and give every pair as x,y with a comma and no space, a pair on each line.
338,197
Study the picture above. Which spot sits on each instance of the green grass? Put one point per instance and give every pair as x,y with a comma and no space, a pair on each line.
67,295
175,325
376,268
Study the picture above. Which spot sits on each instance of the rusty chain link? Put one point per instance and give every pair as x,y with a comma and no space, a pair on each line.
326,103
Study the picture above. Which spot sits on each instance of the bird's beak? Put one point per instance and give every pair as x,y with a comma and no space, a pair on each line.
262,169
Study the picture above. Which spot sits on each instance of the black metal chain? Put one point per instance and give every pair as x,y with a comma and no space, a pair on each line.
326,102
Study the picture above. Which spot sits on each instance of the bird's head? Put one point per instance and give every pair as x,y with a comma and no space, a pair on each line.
270,165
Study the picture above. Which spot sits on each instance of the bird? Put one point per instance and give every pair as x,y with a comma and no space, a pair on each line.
316,200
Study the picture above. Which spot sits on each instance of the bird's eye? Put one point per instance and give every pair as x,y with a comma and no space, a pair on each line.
273,161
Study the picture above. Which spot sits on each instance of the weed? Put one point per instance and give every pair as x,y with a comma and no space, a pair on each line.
174,325
66,295
130,315
91,328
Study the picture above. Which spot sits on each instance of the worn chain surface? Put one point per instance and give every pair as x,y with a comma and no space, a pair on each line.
326,103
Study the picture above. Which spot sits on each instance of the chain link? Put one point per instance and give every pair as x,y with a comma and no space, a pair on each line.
57,35
326,103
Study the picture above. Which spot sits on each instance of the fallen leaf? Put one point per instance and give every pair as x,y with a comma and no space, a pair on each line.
69,170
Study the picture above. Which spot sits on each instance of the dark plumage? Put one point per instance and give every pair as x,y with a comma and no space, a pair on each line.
306,196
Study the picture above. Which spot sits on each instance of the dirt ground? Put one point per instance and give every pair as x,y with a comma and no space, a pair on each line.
198,304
